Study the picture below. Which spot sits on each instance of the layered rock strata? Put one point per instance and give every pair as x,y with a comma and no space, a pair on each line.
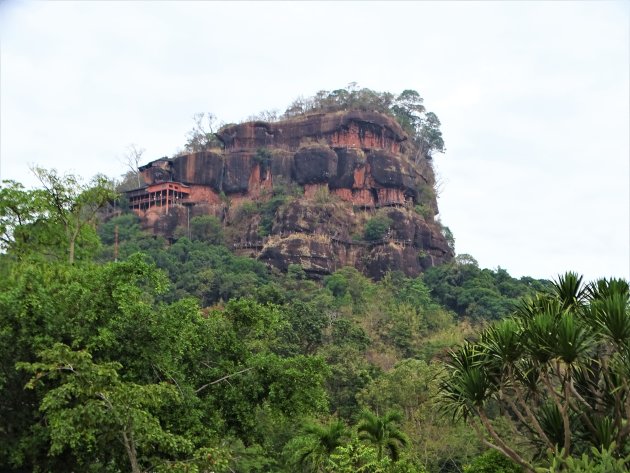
331,174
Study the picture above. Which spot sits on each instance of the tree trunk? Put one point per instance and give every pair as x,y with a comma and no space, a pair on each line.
501,445
72,243
131,453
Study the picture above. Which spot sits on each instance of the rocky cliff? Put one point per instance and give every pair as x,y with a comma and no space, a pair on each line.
320,190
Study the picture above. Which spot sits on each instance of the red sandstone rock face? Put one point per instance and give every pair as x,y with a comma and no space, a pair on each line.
349,164
354,128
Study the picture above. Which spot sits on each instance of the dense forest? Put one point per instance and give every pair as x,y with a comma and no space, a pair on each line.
122,351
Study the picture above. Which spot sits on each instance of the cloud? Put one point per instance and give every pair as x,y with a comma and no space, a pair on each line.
533,98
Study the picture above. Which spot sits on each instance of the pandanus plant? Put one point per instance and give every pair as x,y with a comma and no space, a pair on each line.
558,370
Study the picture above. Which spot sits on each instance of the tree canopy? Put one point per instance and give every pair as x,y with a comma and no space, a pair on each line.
182,356
407,108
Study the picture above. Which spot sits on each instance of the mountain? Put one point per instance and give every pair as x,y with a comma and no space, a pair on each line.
321,190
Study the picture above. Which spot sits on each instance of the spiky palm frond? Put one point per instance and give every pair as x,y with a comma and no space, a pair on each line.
502,342
465,391
529,306
611,315
540,336
550,420
573,340
605,432
570,291
586,383
527,373
603,288
466,356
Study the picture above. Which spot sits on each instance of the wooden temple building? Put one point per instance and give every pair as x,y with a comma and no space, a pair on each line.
160,195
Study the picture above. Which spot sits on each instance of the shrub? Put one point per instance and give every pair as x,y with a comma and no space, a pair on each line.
268,212
424,210
376,228
597,462
206,228
492,462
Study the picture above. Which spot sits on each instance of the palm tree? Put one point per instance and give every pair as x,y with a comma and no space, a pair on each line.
322,441
383,432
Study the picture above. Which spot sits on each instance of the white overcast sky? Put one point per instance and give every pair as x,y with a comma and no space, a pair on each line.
533,99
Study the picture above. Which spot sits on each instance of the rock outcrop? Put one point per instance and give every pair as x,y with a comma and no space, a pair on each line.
303,190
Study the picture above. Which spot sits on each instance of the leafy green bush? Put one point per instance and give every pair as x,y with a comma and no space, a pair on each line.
247,209
263,158
492,461
598,462
424,210
376,228
206,228
268,212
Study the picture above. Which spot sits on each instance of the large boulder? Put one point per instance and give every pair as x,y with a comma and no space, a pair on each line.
348,161
237,172
204,167
315,164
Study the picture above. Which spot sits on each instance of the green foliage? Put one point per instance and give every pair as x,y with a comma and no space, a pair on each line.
349,286
20,212
492,462
595,461
72,206
383,432
407,108
424,210
128,229
56,221
450,239
554,368
268,212
91,405
470,291
263,158
189,358
206,228
311,450
356,457
187,379
376,228
308,324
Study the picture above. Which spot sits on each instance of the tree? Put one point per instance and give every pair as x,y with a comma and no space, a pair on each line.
21,214
318,442
559,369
72,205
91,404
430,135
202,136
132,160
408,110
206,228
357,457
383,432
